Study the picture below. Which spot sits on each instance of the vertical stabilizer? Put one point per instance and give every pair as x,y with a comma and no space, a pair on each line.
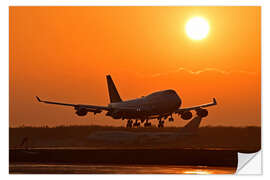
194,123
113,93
193,126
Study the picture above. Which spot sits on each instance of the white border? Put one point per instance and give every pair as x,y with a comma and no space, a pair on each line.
4,67
135,2
249,163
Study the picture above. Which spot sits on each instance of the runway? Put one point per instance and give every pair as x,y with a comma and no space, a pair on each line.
201,157
99,150
115,169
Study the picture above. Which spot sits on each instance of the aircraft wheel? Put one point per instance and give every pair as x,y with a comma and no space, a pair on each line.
161,124
147,124
129,124
136,124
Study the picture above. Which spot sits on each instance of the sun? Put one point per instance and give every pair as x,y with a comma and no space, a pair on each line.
197,28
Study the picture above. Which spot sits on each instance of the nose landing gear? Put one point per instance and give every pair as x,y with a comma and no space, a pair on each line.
160,123
171,119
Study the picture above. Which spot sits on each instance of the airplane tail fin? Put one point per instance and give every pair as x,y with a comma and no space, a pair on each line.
113,93
193,125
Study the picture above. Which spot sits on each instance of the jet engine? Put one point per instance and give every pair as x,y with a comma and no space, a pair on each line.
186,115
202,112
81,112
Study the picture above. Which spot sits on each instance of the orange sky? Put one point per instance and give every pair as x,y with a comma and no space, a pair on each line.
64,53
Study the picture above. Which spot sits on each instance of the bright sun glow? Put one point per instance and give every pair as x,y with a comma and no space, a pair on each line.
197,28
197,172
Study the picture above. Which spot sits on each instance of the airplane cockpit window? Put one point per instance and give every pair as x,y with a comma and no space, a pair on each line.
170,92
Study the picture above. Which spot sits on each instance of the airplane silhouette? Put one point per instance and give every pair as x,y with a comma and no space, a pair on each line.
158,105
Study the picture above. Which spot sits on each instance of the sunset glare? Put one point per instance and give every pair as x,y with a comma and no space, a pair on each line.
197,28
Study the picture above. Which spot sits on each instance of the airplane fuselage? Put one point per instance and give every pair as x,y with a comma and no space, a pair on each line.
158,103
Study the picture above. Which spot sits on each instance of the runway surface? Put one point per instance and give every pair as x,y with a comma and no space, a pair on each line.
116,169
108,150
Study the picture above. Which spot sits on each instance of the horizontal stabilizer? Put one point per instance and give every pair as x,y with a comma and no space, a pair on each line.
215,101
38,99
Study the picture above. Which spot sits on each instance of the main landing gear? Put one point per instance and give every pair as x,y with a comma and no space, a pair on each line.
147,124
136,124
171,119
129,123
160,123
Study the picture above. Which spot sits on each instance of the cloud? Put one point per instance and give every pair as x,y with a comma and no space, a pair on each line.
220,71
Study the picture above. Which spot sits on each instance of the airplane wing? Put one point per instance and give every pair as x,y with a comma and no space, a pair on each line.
90,107
197,107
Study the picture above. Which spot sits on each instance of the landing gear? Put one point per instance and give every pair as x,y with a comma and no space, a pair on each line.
129,123
160,123
136,124
171,119
147,124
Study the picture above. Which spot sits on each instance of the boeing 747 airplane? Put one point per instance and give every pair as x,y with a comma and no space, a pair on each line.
158,105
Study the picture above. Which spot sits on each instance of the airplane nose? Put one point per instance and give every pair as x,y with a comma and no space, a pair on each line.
173,96
178,100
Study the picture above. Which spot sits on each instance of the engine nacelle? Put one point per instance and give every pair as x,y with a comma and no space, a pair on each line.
202,112
186,115
82,112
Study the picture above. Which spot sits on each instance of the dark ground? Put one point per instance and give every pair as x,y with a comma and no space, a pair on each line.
242,139
95,149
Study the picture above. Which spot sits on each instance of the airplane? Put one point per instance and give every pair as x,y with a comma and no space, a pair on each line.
158,105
